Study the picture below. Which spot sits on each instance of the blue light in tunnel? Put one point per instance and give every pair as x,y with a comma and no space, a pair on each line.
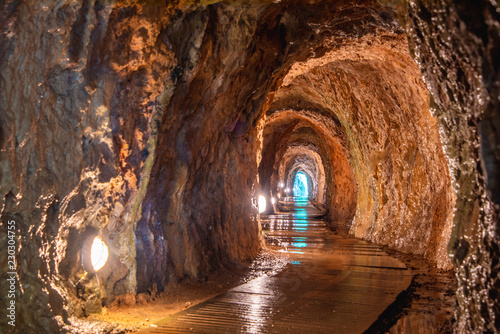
301,201
300,188
301,214
300,225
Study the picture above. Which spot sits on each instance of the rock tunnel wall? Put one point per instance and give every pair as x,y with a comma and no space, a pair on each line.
298,158
313,137
457,45
404,199
78,87
137,121
142,122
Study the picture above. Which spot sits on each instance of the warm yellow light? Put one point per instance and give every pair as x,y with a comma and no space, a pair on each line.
273,200
98,253
279,195
262,204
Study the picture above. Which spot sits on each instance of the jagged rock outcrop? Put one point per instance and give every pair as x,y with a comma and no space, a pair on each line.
78,89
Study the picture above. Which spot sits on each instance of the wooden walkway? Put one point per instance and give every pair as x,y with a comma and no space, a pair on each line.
332,284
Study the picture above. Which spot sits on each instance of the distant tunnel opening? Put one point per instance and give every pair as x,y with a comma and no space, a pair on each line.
306,144
301,185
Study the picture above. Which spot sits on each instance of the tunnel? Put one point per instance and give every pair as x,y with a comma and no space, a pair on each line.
158,157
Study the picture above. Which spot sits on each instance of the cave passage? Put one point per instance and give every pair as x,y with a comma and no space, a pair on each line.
147,146
300,185
323,289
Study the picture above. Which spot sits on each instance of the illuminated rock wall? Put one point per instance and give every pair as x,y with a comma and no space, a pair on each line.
367,97
457,45
146,124
79,82
313,142
137,121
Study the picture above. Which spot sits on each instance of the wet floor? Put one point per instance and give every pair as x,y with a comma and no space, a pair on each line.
332,284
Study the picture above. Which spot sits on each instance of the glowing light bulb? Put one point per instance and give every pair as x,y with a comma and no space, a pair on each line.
262,204
273,200
287,190
99,253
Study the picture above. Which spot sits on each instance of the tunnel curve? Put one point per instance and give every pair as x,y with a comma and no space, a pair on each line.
290,134
374,97
151,125
298,158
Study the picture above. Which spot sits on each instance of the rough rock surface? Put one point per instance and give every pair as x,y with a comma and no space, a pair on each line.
78,85
399,195
145,123
457,45
306,140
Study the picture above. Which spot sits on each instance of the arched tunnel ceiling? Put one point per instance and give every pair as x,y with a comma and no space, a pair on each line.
302,158
374,100
319,137
145,121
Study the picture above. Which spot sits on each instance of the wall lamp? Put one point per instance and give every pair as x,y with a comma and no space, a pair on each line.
262,204
95,254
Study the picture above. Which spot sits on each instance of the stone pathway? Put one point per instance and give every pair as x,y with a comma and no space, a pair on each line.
332,284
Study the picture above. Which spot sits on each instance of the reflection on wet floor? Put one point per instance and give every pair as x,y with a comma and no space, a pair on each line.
332,284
